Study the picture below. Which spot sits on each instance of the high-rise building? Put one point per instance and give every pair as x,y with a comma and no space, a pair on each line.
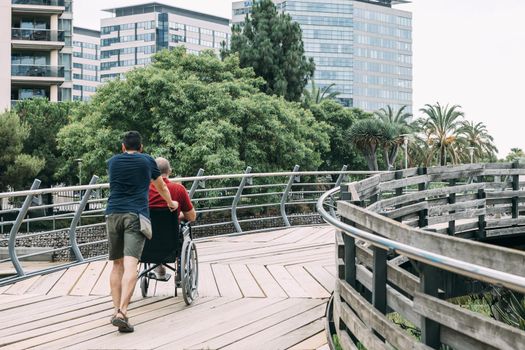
135,33
364,47
86,63
35,50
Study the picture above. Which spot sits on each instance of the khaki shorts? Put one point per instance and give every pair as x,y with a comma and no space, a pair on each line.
124,236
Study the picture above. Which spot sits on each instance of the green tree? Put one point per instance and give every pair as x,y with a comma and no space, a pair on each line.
441,127
46,119
369,136
515,153
271,43
16,168
400,122
476,135
316,94
199,112
340,120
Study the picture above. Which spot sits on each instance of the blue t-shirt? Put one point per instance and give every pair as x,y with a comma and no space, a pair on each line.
129,179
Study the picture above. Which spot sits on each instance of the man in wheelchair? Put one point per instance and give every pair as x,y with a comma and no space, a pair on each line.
185,211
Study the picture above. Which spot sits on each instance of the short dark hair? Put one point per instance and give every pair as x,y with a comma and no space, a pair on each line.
132,141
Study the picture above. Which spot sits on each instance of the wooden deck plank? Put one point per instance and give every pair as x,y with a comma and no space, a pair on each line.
296,336
88,278
226,282
314,342
68,280
101,286
279,328
207,284
181,317
22,286
44,284
276,313
287,282
322,276
307,282
296,236
71,333
8,302
268,284
246,282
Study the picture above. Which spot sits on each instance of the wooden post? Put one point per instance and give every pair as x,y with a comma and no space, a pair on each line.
515,187
398,175
350,254
345,195
379,282
423,214
451,200
430,282
482,233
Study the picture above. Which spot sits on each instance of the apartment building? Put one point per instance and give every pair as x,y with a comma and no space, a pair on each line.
364,47
86,63
35,50
134,33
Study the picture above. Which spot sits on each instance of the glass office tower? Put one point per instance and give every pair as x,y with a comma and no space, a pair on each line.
363,47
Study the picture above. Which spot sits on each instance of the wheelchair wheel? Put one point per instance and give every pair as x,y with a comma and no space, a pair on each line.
144,284
189,271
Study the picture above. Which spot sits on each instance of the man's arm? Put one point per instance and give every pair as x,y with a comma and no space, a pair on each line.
188,215
164,192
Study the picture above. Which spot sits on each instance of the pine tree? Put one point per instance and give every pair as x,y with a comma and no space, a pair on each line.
271,43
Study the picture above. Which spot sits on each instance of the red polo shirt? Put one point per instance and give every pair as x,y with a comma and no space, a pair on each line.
178,193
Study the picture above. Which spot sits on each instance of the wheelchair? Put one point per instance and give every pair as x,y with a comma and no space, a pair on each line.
172,243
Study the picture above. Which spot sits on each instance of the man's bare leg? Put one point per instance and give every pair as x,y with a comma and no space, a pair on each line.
129,280
115,282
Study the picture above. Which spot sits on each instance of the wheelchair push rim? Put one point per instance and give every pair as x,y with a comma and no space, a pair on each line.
190,272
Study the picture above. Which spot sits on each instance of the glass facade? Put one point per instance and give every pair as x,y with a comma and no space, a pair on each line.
364,48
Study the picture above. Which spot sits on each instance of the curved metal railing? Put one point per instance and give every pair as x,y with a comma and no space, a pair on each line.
69,229
401,257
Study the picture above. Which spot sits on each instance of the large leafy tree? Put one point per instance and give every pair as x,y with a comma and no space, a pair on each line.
441,127
200,112
271,43
16,168
340,120
400,122
46,119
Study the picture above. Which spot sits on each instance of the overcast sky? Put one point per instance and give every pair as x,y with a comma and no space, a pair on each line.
468,52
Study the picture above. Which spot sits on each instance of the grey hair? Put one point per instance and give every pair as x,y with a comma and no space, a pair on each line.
164,165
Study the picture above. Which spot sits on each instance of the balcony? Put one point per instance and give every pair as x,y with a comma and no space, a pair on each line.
38,6
37,39
45,75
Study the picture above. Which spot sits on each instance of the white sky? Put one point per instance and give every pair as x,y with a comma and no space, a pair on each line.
467,52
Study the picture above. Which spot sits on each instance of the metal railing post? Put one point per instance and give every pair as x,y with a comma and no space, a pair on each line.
16,226
337,184
76,219
284,198
238,198
195,183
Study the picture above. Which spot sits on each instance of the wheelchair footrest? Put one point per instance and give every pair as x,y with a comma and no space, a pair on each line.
164,278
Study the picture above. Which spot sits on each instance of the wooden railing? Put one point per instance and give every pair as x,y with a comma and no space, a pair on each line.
402,249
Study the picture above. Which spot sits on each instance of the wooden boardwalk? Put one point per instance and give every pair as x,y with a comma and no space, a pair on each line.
258,291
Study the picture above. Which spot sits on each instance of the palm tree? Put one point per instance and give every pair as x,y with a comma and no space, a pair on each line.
317,95
441,130
515,153
399,120
476,135
368,135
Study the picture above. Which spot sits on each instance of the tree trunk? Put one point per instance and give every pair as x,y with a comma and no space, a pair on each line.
393,155
442,156
387,159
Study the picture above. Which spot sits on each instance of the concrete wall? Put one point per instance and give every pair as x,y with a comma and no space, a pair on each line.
5,54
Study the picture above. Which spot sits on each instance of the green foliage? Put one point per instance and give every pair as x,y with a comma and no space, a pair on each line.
515,154
46,119
316,95
400,122
271,43
199,112
340,120
16,168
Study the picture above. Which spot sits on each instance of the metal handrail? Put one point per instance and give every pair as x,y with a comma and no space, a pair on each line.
516,283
